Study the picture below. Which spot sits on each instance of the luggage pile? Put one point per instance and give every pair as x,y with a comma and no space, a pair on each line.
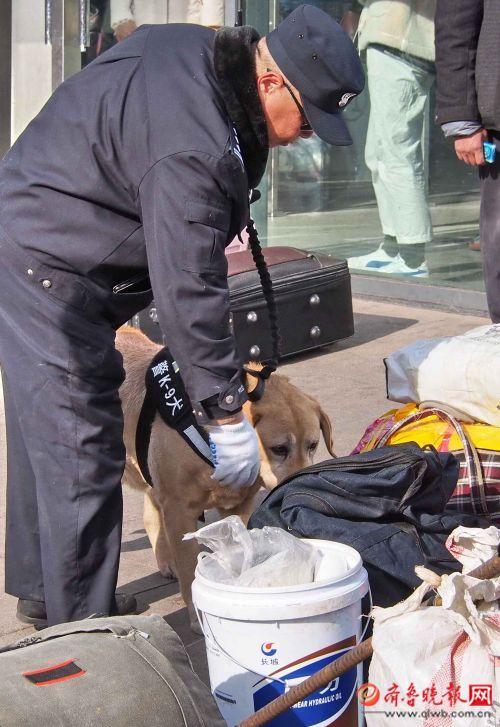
475,445
397,505
451,388
421,488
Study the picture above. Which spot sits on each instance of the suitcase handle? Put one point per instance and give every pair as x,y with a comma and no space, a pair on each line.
472,460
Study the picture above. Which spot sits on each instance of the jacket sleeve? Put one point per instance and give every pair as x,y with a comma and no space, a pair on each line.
186,215
458,24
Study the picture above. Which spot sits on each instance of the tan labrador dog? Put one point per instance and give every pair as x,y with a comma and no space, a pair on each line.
288,424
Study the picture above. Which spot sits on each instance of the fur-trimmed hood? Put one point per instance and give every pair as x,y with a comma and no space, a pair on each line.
234,64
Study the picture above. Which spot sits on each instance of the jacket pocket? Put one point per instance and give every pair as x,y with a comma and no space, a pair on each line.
205,237
66,289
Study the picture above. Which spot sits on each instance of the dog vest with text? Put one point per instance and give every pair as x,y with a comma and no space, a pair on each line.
166,395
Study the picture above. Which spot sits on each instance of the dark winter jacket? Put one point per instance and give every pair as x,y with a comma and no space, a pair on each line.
468,61
142,163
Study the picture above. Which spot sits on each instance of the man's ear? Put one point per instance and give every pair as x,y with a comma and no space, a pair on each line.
269,81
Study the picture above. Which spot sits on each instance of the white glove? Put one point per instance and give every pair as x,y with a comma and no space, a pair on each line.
235,454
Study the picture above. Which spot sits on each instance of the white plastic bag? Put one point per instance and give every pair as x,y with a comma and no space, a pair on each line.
258,558
460,372
434,666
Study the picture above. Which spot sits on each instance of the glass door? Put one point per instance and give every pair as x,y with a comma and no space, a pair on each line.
331,198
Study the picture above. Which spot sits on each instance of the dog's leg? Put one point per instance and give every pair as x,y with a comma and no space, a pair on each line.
244,509
132,475
157,534
185,555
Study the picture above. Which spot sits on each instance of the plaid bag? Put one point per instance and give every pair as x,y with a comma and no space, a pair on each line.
476,446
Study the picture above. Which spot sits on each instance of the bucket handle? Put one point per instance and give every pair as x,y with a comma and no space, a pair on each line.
270,677
366,615
214,641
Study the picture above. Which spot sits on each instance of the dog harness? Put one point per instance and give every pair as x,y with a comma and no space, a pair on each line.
166,395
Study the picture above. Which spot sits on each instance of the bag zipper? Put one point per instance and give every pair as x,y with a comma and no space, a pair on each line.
319,279
343,463
120,287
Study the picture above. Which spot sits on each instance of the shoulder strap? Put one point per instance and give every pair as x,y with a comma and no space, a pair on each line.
472,459
167,396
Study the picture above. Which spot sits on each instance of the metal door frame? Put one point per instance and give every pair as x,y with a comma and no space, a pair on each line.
5,75
66,30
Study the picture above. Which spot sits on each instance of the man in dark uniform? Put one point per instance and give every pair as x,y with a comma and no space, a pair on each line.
131,181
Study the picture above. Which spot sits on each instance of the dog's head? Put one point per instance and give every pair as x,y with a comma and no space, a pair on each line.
289,425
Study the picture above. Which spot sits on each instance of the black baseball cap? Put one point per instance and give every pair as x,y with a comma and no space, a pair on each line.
321,61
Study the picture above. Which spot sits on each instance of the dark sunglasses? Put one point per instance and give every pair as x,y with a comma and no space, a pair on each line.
305,125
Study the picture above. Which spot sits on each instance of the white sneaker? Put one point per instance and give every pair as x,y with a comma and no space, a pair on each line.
375,260
397,266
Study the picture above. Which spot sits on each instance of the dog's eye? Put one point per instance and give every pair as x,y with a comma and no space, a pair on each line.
281,450
313,447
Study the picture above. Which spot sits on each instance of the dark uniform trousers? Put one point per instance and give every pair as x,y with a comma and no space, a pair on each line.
65,451
490,230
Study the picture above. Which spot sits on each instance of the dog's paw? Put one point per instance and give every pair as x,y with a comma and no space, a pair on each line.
193,620
167,571
195,626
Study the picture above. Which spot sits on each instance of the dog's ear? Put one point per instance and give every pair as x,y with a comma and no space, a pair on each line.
324,423
326,430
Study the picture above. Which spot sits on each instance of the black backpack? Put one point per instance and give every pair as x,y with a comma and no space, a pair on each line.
389,504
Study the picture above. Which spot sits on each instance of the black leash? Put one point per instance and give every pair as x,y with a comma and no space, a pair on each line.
267,289
261,375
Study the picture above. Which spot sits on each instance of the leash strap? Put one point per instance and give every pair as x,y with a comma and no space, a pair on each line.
166,395
261,375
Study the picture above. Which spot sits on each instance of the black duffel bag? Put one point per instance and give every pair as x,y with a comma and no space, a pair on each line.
389,504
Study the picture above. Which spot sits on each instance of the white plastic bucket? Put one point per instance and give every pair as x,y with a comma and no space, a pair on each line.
262,641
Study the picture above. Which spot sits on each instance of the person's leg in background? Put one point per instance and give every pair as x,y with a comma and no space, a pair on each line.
414,228
489,221
394,153
63,376
379,257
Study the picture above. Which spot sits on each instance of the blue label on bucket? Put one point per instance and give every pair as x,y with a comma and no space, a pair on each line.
321,707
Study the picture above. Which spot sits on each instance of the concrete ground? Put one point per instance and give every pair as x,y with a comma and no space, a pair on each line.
348,378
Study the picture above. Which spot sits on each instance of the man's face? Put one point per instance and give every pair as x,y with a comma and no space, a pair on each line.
283,117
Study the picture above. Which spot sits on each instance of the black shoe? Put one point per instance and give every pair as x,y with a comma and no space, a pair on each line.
124,605
33,612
